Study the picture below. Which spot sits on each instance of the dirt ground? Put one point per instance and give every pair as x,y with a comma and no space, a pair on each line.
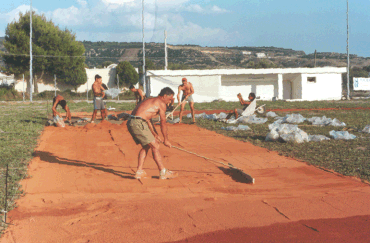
81,189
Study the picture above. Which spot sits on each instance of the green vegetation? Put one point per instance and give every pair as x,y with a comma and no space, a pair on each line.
127,74
48,41
20,126
7,93
351,158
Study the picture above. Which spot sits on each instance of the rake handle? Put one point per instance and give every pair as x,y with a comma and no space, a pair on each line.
175,109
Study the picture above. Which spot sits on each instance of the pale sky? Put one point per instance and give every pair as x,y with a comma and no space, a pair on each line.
299,25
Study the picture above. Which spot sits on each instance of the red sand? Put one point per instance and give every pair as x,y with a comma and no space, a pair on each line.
81,189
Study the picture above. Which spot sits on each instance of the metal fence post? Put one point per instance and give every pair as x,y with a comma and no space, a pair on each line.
118,86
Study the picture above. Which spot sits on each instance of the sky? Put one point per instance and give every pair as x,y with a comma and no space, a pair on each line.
299,25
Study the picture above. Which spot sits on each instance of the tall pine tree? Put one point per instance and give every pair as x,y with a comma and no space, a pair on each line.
55,51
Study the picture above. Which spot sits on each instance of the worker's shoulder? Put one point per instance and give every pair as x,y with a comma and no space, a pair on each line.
59,97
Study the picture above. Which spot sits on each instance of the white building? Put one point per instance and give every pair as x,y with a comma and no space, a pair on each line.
108,75
283,84
261,55
246,52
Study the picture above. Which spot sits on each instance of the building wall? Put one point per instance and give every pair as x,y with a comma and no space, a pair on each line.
264,86
297,87
108,77
206,88
326,87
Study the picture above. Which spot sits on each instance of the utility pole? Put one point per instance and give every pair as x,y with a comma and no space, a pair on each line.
347,51
315,59
31,51
87,90
55,85
118,86
144,72
165,50
23,87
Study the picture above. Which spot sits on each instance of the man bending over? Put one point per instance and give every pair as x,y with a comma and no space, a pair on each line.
143,131
238,112
139,94
59,100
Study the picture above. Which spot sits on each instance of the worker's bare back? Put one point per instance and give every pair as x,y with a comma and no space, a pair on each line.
186,88
150,108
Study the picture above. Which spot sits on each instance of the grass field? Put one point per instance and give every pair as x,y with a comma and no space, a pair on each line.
21,125
350,158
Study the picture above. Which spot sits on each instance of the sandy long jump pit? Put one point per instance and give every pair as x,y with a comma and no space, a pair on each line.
81,189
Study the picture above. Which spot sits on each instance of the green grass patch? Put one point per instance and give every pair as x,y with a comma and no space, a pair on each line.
351,158
20,126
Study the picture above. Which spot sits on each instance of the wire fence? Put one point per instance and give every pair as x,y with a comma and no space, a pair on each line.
9,190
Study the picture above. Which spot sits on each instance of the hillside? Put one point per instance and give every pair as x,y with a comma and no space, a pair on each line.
198,57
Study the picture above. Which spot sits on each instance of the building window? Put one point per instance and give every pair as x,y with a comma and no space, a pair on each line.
311,79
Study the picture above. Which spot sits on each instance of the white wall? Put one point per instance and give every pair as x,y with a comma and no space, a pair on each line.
327,87
108,77
264,86
297,87
206,88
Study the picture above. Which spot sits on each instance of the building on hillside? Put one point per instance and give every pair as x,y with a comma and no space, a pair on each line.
246,52
261,55
268,84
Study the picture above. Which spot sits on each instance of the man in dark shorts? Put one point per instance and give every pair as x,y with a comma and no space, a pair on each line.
143,131
99,103
238,112
187,95
139,94
59,100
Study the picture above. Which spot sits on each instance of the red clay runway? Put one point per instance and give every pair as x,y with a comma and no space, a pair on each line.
81,189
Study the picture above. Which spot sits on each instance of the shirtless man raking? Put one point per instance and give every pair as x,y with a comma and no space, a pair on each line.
143,132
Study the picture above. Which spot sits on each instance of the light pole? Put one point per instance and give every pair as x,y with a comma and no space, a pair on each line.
31,51
144,73
347,51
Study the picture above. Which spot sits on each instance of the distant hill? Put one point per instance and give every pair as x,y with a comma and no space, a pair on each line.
197,57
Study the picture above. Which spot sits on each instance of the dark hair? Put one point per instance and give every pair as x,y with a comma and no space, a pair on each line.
97,76
253,95
131,87
104,86
166,91
63,104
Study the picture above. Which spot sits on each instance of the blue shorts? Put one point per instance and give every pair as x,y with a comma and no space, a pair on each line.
99,103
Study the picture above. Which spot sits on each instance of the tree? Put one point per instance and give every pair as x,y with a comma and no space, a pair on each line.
55,51
149,65
127,73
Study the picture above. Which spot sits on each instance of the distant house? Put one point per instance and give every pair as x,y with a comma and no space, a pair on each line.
282,84
261,55
246,52
6,79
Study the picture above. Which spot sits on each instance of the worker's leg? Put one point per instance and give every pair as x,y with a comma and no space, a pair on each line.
156,154
94,116
192,110
236,113
181,111
142,155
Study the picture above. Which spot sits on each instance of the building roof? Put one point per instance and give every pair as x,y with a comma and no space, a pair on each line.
210,72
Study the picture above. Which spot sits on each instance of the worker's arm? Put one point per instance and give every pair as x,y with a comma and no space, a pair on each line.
54,108
68,115
178,94
141,93
162,115
191,90
102,92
